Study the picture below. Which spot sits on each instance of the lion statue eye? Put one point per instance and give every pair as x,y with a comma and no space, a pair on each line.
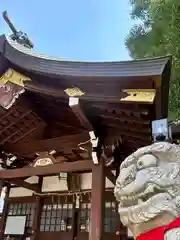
147,160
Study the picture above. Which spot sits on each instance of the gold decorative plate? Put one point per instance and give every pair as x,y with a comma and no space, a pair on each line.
139,95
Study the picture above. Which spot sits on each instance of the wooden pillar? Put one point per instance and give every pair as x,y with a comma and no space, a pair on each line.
37,212
4,213
97,202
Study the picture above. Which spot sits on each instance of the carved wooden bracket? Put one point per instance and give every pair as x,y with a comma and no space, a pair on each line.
44,159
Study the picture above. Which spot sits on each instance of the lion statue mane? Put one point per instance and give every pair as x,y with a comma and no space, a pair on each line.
148,188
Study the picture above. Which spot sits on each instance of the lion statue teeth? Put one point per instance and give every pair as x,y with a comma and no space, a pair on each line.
148,188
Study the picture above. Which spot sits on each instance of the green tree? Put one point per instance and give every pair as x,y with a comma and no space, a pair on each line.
158,34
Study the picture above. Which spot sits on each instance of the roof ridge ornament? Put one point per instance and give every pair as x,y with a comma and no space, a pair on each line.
18,36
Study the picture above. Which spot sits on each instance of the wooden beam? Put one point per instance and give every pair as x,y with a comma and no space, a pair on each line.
96,93
97,202
65,143
162,86
59,143
78,166
23,184
110,175
77,110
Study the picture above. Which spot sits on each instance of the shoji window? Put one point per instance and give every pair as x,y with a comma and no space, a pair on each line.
22,209
84,217
56,217
110,221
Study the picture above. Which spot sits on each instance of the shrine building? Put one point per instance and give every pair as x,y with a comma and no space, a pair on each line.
65,127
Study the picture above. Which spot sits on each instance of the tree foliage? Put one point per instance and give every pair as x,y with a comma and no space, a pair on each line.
158,34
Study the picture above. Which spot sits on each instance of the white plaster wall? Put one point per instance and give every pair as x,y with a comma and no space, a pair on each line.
20,192
86,180
51,184
130,233
32,179
3,193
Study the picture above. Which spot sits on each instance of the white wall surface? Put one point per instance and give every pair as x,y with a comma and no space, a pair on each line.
20,192
86,180
51,184
32,180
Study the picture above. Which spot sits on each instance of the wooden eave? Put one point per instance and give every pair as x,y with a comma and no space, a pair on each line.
42,119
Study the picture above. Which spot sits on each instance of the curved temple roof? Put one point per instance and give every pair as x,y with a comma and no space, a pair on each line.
29,60
118,100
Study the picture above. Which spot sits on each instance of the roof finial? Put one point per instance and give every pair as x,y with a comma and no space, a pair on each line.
17,36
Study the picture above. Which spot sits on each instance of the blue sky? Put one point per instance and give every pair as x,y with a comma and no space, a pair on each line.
82,30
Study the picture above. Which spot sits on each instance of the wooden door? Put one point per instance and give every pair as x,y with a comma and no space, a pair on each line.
111,222
112,227
83,221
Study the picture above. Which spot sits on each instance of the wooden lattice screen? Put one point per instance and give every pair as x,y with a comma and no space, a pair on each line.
56,218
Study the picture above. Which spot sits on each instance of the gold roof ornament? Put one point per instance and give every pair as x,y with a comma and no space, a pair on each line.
74,92
139,95
11,87
14,77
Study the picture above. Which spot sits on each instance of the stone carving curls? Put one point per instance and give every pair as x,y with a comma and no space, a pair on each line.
148,189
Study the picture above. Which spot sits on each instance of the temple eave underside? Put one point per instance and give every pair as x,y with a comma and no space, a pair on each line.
75,118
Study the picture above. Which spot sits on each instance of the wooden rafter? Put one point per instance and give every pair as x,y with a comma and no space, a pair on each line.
132,134
77,154
115,136
123,118
77,110
59,143
120,107
110,175
128,127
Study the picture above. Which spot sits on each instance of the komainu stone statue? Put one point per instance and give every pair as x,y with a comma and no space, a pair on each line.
148,192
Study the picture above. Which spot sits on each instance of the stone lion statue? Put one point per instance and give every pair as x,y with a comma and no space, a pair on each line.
148,192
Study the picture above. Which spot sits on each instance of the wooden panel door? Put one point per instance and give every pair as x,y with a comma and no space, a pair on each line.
111,222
